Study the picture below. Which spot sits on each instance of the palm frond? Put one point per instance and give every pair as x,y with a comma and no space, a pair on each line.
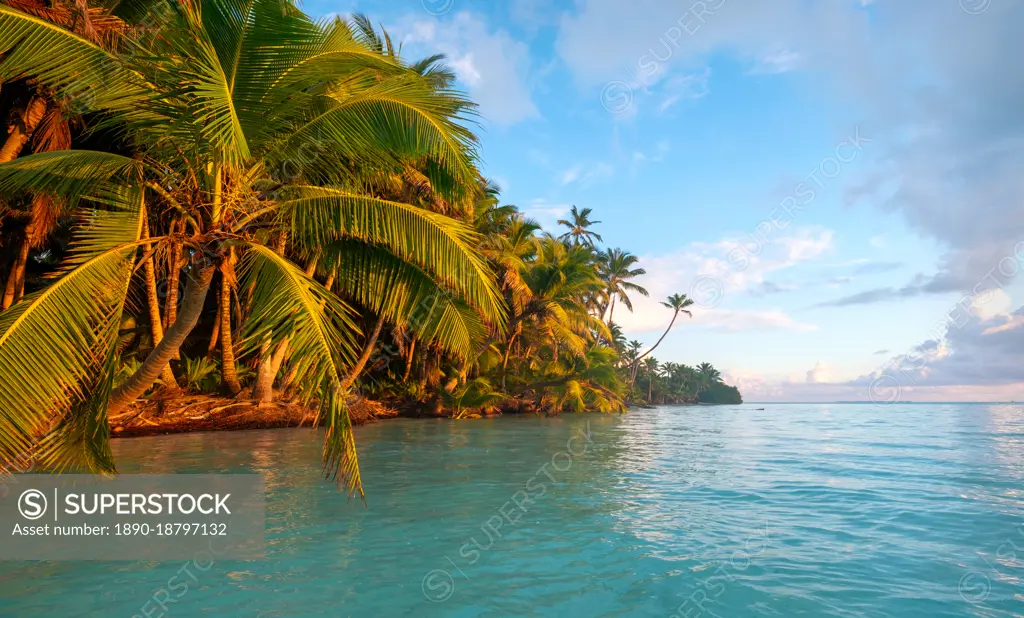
70,174
439,245
286,304
405,296
56,348
74,67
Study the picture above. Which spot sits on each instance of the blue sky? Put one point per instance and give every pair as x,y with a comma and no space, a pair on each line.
831,180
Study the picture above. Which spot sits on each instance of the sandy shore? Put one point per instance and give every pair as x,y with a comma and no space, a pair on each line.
207,413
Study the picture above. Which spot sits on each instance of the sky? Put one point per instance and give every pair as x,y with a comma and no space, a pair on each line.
837,183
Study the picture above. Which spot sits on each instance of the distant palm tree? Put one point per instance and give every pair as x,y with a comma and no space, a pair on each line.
633,350
579,227
708,375
616,271
677,302
652,365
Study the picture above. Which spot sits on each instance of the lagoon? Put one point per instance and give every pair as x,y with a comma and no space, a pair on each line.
790,510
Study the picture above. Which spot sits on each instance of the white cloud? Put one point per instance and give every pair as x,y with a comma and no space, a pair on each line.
585,175
739,321
684,87
494,66
571,175
821,372
992,304
777,61
677,272
546,213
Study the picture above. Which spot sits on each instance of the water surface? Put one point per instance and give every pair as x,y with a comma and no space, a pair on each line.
794,510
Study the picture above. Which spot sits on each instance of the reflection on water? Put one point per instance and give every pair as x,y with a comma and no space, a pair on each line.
816,510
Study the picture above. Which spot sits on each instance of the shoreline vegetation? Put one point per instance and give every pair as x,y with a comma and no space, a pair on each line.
218,213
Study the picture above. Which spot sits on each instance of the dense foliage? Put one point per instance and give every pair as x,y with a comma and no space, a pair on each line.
323,187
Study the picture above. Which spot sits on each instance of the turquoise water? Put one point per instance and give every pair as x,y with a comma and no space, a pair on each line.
796,510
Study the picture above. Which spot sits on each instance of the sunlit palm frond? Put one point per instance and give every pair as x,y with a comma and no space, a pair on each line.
56,348
387,121
405,296
286,304
77,69
439,245
70,174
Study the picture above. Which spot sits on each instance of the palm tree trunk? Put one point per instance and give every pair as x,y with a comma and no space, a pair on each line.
364,357
215,334
270,362
173,278
408,359
508,350
22,128
269,367
228,370
149,371
611,312
263,390
156,329
657,343
636,363
16,279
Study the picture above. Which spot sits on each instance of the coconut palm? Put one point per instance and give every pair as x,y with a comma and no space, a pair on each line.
708,375
616,271
678,303
252,124
579,227
651,365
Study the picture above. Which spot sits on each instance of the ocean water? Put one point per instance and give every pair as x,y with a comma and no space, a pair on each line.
793,510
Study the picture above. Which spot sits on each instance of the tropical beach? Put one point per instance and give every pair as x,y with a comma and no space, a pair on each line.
499,310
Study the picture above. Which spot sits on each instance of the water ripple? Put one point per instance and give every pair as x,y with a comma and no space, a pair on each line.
794,510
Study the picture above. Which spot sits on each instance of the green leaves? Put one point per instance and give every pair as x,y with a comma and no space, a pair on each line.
80,71
72,174
56,346
381,121
436,244
405,295
288,305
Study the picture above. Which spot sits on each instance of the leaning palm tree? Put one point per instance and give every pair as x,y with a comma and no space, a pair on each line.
616,267
250,123
579,227
678,303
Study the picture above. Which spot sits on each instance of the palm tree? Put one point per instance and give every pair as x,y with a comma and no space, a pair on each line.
579,227
616,270
618,340
559,280
678,303
707,375
651,365
252,123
